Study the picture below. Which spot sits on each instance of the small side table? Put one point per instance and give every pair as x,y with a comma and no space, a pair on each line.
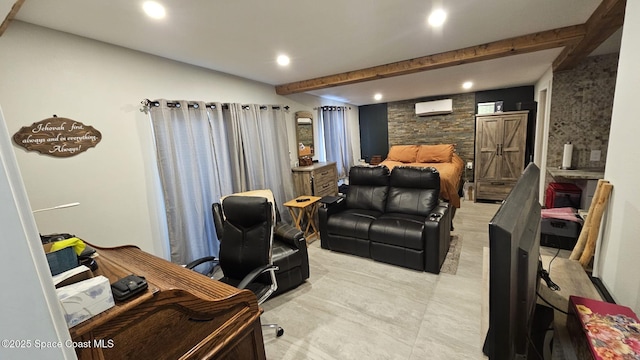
304,210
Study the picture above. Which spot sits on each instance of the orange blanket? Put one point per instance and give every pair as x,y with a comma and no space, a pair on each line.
450,176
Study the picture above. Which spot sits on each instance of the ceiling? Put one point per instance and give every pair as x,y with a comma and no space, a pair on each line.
327,37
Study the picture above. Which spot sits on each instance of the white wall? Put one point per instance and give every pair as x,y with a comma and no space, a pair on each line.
618,260
45,72
543,87
30,311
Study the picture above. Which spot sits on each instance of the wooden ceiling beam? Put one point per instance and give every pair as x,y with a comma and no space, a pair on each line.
517,45
10,16
605,20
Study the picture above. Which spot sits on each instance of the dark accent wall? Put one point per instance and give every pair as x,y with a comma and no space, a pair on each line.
374,137
510,97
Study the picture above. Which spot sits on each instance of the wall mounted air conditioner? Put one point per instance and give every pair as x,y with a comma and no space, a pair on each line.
436,107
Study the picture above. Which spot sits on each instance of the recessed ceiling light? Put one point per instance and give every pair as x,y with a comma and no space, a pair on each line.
437,18
467,85
283,60
377,97
154,9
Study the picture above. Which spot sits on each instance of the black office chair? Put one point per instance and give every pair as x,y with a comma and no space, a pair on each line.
288,251
245,249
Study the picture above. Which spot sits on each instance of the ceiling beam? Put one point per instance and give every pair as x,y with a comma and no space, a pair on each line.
10,16
517,45
605,20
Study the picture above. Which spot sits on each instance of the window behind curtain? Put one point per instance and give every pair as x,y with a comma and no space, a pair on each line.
337,137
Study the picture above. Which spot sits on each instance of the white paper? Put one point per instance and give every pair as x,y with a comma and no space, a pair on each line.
566,156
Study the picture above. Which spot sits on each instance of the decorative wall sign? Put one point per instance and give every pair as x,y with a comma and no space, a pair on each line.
59,137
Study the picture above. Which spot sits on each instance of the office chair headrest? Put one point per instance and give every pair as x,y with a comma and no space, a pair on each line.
246,211
265,193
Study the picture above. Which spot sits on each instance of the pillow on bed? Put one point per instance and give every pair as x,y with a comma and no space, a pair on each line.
435,153
403,153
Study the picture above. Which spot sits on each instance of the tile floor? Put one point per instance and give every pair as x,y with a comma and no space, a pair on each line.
355,308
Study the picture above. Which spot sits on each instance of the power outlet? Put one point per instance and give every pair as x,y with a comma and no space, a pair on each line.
469,165
595,155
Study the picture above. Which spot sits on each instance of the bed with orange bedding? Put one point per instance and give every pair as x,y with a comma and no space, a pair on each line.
442,157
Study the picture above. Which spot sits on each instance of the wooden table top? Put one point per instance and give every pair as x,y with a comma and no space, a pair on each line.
302,204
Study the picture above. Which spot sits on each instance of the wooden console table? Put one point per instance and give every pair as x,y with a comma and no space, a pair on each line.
183,315
572,279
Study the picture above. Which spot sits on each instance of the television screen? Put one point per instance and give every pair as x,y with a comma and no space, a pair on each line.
514,249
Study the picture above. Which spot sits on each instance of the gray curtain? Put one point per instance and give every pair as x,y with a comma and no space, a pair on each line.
192,175
207,151
334,129
258,139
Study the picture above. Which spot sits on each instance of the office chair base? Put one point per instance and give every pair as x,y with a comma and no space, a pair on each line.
278,329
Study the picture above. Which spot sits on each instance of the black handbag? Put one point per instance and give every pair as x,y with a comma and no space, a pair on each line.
128,287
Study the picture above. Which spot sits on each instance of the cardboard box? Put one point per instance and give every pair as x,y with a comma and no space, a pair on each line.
490,107
486,108
72,276
85,299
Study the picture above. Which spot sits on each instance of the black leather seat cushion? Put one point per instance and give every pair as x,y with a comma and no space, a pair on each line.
368,187
413,191
352,223
397,229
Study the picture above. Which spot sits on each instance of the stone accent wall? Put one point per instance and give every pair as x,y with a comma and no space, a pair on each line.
406,128
581,106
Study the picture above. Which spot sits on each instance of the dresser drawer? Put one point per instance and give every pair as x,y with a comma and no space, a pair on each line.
319,179
325,181
325,189
493,190
325,174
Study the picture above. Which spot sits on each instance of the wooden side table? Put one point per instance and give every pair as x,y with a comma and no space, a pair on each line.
302,211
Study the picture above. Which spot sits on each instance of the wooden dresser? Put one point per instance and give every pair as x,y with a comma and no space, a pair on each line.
319,179
500,146
183,315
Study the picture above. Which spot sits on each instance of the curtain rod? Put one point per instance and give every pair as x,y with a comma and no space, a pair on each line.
332,107
146,103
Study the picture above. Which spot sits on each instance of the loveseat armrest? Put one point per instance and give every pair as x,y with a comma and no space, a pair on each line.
438,237
325,210
440,211
332,204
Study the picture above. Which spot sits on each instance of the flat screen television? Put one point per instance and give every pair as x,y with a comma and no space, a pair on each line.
514,250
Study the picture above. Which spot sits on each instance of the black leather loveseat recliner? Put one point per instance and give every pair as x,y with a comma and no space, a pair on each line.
395,218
